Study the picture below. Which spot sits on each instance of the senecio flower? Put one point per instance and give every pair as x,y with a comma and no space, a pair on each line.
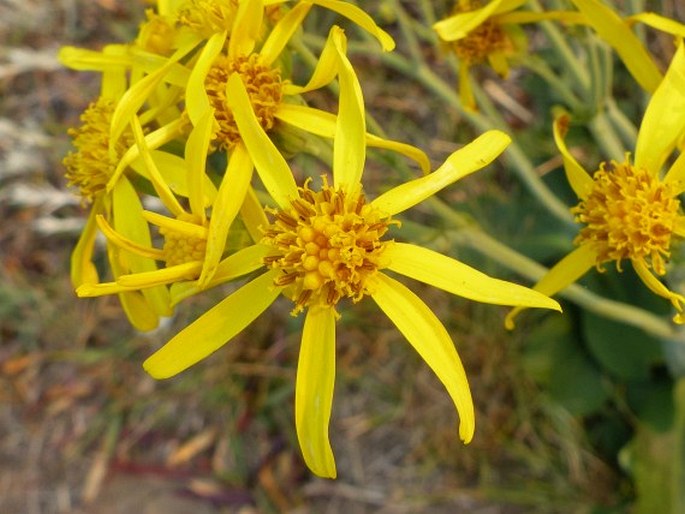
629,210
322,244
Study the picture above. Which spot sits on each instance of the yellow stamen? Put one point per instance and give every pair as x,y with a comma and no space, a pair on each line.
327,245
208,17
264,87
629,214
180,248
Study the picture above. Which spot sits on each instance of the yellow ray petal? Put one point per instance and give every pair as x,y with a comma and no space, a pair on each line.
360,18
579,179
231,195
246,27
161,187
612,29
498,62
664,120
676,173
658,22
458,26
179,272
658,288
325,71
466,96
561,275
214,328
126,244
197,102
282,32
90,60
458,278
83,271
322,123
429,338
466,160
349,143
196,161
314,390
522,17
101,289
270,164
236,265
253,215
186,228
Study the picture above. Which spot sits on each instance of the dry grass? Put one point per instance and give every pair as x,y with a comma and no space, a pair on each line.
84,429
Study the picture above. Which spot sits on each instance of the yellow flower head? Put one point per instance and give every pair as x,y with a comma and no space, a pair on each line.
91,166
484,40
630,210
157,35
324,245
327,246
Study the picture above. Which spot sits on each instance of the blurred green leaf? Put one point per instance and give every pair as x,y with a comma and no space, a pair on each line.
652,402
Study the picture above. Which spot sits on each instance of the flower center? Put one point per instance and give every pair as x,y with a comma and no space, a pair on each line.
157,34
629,214
264,87
486,38
180,248
327,245
91,165
208,17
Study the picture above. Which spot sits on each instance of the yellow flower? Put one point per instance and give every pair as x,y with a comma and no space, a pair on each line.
490,32
326,244
630,210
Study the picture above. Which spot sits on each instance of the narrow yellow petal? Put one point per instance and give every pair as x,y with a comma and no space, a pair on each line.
561,275
664,120
186,228
314,390
466,96
214,328
522,17
612,29
230,198
508,5
458,278
161,187
246,27
676,173
236,265
197,102
498,62
83,270
126,244
270,164
196,162
282,32
579,179
325,71
658,22
472,157
658,288
428,336
458,26
90,60
162,276
322,123
253,215
101,289
349,143
360,18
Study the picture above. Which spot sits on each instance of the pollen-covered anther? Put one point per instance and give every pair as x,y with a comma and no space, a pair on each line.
180,248
629,214
264,88
332,252
92,164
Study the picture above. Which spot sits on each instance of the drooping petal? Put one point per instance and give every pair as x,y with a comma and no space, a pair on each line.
612,29
246,27
561,275
428,336
664,120
230,198
91,60
322,123
349,143
181,227
579,179
83,271
360,18
458,26
282,32
472,157
162,276
658,288
458,278
314,390
126,244
270,164
659,22
214,328
197,101
325,71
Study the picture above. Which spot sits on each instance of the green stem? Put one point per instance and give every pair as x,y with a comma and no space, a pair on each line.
624,126
541,69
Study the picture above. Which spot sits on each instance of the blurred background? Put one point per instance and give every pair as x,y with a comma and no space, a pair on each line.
561,425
